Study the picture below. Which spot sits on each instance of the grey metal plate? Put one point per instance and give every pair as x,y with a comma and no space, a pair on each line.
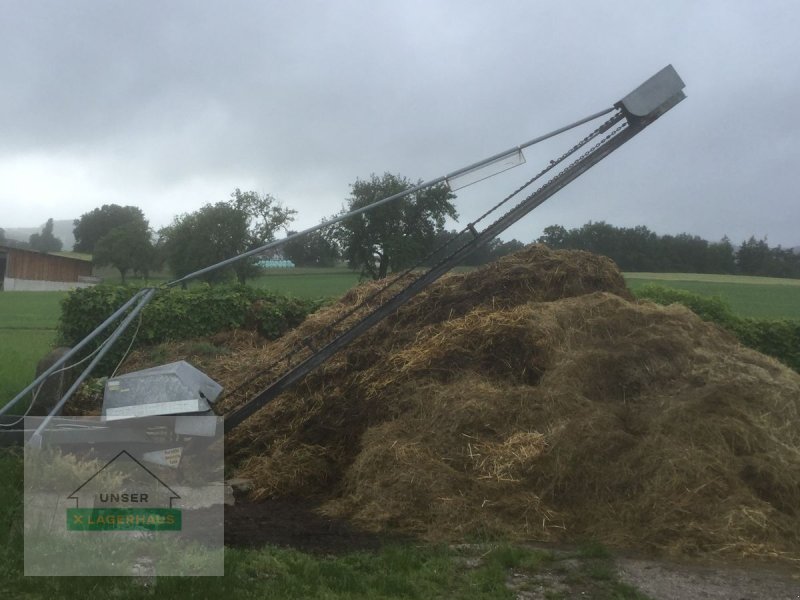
168,389
172,407
654,92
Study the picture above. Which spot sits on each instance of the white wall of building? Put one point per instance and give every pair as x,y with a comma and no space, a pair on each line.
29,285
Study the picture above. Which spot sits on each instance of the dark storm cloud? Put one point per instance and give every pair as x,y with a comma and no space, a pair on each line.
169,105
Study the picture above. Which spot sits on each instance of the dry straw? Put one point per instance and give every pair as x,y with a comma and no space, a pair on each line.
535,399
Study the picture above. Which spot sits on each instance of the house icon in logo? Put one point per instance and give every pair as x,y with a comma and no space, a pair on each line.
123,495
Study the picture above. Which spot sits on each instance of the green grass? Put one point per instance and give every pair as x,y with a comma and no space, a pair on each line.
760,297
28,323
712,278
20,350
30,310
299,282
308,283
111,276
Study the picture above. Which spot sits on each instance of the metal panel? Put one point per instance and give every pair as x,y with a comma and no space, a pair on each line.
490,169
155,408
654,92
167,389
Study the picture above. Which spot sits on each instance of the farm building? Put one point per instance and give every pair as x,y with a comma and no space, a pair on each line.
22,269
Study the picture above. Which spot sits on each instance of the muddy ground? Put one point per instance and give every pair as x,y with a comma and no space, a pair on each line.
293,524
662,580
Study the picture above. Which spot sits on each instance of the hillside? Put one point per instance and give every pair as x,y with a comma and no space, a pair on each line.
61,229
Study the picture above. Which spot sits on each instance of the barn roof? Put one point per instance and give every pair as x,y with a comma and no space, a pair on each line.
61,255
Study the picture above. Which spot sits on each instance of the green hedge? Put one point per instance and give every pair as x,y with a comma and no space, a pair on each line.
779,338
181,314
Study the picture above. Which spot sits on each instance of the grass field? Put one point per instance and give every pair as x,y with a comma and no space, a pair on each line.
300,282
28,323
30,310
308,283
760,297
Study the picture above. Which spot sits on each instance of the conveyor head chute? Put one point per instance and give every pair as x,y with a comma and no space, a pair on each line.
654,97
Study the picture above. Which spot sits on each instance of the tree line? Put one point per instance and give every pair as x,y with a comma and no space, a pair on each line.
639,249
387,239
44,241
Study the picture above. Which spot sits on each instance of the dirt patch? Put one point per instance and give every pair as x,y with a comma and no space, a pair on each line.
294,524
670,581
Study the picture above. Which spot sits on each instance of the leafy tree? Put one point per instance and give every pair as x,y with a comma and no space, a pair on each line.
503,248
785,262
265,214
98,222
639,249
315,249
397,234
2,235
754,257
127,247
12,243
479,256
554,236
444,244
219,231
684,253
202,238
45,241
721,257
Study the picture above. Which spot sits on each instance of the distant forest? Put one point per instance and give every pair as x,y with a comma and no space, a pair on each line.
639,249
632,248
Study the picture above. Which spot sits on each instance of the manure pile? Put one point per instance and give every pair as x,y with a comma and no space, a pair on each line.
535,399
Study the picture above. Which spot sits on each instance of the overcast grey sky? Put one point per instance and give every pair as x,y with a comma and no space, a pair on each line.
171,105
